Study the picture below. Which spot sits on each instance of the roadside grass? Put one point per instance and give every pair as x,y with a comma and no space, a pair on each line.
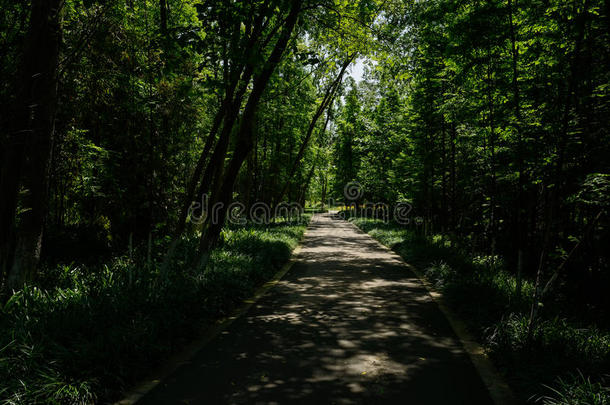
100,328
563,363
577,389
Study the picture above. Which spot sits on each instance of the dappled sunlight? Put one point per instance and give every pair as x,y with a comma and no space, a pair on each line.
349,324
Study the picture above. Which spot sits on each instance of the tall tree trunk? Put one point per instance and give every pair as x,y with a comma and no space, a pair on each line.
306,183
444,210
553,203
274,170
163,16
244,133
326,101
12,155
453,141
492,161
33,132
227,113
520,230
212,177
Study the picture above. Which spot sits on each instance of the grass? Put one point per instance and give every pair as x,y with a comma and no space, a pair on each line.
577,389
86,333
541,369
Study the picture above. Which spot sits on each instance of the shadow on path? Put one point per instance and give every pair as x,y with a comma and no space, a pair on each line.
349,324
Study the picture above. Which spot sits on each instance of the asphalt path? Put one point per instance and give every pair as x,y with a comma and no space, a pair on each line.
348,324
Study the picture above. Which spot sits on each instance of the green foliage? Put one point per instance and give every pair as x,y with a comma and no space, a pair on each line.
595,191
555,343
577,390
486,117
91,331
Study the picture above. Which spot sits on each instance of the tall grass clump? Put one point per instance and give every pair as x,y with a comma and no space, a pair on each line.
577,390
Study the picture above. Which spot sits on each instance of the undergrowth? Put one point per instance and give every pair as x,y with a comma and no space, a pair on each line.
99,328
563,362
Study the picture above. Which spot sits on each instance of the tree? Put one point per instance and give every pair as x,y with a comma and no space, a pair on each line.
27,148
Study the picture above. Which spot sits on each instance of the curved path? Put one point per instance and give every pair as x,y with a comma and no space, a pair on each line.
348,324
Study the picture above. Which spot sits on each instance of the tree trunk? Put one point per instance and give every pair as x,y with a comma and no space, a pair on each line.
9,187
163,15
553,203
32,131
453,141
444,209
492,162
326,101
519,231
244,133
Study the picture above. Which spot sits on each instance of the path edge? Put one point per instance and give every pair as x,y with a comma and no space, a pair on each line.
498,388
169,366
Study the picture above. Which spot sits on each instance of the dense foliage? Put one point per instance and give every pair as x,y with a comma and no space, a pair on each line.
143,107
490,118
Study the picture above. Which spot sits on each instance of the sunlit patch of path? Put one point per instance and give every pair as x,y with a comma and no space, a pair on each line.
349,324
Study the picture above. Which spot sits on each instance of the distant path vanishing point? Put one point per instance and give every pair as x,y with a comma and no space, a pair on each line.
348,324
